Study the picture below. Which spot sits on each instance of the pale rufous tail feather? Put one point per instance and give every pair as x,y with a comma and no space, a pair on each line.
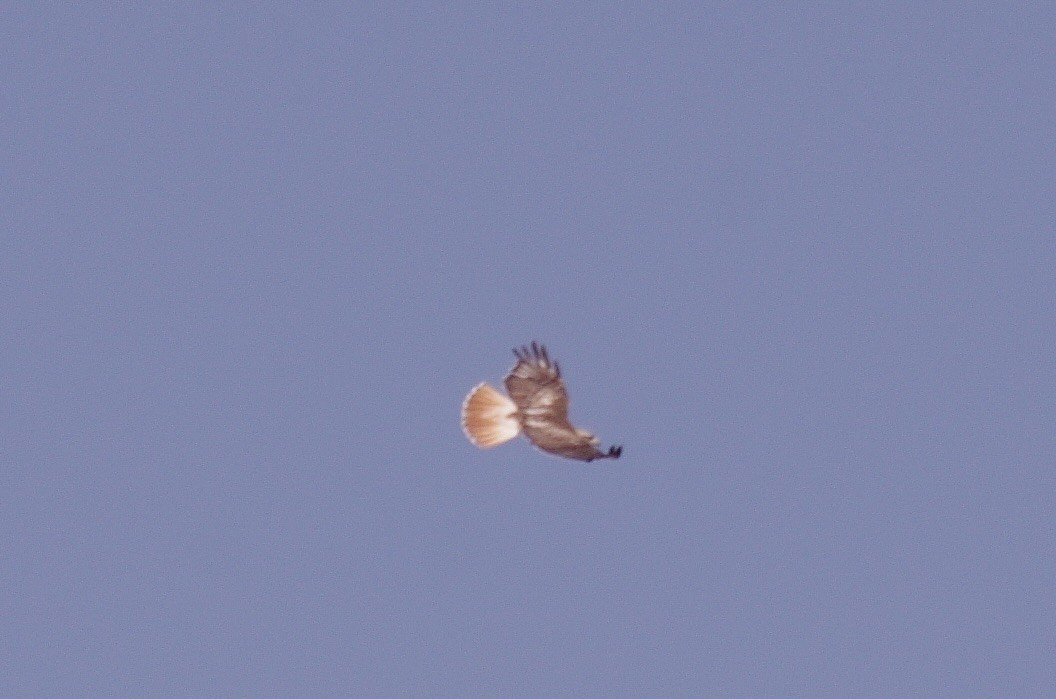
488,417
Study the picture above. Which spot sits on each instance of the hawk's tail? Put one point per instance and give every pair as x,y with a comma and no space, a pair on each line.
488,417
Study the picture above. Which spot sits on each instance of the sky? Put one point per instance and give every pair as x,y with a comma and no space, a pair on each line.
797,259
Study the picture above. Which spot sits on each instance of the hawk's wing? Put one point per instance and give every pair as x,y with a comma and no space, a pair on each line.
535,386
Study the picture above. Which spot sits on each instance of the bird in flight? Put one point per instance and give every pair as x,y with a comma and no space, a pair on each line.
537,406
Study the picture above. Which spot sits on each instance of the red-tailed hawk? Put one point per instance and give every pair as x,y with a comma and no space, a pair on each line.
537,406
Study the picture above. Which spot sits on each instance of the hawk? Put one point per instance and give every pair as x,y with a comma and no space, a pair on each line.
537,406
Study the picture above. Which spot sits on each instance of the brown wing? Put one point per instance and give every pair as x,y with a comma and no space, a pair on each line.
534,384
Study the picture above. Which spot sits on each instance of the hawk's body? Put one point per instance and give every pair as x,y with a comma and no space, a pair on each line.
537,406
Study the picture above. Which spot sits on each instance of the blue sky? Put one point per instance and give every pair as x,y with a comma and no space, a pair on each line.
797,260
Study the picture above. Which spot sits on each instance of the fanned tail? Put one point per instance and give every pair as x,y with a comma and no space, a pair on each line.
488,417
